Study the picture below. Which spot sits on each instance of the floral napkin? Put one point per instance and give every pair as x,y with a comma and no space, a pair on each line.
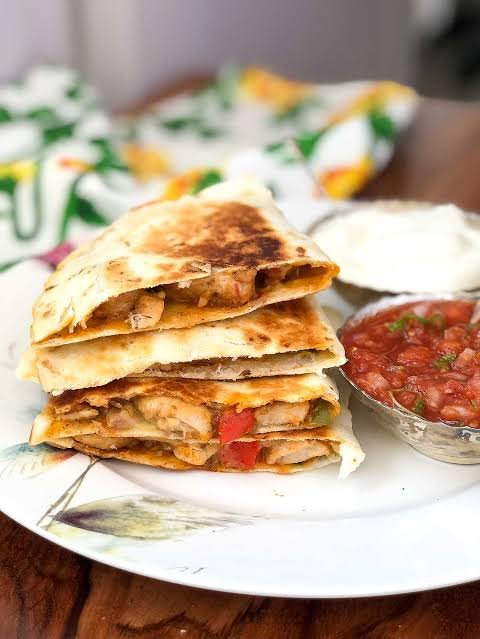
300,139
66,166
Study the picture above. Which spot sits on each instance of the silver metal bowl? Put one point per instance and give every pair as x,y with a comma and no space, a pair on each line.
357,295
455,444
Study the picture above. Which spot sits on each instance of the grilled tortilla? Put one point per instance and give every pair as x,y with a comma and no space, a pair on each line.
177,264
177,424
281,339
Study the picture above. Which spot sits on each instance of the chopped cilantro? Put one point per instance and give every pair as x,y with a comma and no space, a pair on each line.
437,320
397,325
419,406
443,362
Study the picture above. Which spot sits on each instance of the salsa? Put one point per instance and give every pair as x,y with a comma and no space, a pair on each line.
422,356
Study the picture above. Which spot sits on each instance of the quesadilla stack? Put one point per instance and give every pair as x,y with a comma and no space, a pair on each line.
182,338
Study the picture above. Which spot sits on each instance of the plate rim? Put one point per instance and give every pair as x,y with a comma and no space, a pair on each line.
210,582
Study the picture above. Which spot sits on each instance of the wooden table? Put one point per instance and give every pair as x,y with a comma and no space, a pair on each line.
47,592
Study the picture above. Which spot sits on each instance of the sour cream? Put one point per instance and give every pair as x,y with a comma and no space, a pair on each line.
404,247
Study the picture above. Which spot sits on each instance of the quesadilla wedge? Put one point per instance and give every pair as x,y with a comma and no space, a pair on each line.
297,451
220,426
281,339
177,264
195,410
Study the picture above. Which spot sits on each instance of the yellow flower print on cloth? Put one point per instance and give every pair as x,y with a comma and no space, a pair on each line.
190,182
282,94
21,171
372,98
343,182
74,164
81,169
145,162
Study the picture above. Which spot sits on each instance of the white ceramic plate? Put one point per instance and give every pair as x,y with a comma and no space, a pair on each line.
400,523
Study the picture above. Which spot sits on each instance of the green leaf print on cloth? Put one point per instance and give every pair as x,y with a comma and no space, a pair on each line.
208,179
382,125
298,111
79,207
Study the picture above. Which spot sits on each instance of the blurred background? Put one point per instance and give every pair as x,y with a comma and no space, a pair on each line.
130,48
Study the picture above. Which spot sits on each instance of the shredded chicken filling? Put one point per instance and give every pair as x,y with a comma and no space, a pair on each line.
161,416
273,453
301,358
143,308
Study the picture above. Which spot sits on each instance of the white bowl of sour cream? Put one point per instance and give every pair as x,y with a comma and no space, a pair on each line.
403,247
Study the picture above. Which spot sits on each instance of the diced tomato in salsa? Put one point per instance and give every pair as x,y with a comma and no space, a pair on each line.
232,424
424,356
242,455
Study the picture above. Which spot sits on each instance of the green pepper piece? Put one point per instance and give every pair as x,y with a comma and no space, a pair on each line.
322,413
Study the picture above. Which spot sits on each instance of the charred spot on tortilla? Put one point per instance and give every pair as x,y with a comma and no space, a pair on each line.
229,234
116,268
